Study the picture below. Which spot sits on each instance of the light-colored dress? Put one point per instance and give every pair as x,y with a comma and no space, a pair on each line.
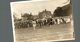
34,23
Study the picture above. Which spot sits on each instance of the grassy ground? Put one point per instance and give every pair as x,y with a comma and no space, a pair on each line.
54,32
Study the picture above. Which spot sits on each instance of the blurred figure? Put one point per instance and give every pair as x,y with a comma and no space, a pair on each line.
34,24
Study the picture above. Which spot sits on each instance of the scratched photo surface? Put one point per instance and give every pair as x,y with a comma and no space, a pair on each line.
42,21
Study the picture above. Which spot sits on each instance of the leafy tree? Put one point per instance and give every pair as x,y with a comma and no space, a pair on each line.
28,16
63,11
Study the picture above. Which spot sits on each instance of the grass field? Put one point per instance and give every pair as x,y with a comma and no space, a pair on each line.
53,32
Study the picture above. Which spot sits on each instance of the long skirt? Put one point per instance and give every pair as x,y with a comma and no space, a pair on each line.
34,26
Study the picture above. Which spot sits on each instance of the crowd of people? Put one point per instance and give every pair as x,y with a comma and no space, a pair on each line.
41,22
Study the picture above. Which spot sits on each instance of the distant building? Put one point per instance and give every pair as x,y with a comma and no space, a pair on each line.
45,14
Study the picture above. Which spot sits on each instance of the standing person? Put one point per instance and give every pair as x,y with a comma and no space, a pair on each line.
50,21
34,24
40,22
58,21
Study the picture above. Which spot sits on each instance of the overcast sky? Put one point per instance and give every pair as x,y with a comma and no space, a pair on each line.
36,6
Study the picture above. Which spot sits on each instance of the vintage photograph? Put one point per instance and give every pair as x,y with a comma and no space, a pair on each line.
42,21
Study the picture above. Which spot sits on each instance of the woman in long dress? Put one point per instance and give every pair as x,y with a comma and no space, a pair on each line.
34,24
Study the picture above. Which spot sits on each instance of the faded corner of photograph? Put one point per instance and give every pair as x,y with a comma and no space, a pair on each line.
41,21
